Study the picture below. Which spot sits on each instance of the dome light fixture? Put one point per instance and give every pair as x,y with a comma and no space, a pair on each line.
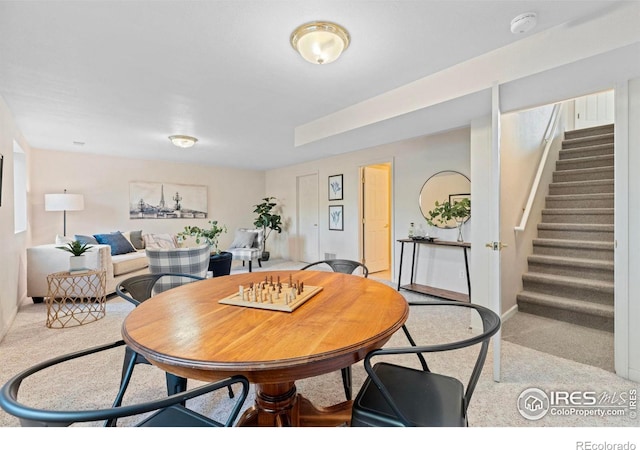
320,42
182,141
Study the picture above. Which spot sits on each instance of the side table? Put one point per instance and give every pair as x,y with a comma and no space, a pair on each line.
76,298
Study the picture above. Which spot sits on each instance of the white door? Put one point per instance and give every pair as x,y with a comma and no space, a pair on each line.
594,110
485,226
308,218
376,229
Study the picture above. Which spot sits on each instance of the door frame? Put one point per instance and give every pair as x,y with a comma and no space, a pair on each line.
390,162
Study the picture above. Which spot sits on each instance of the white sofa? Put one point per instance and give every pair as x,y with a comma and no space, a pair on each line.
43,260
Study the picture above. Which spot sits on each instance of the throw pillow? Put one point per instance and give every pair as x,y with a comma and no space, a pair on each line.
119,244
86,239
136,239
61,240
243,239
159,241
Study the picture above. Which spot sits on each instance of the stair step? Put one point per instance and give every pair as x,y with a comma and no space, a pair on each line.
579,201
580,152
596,291
596,173
585,162
581,187
587,314
588,141
571,267
578,215
591,131
597,250
576,231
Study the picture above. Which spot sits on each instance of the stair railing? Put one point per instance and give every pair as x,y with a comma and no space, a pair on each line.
546,141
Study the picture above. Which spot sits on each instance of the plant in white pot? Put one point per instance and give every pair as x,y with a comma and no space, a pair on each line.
209,235
268,220
77,261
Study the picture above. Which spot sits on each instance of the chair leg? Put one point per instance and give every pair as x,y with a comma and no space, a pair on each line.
175,384
249,266
346,381
259,262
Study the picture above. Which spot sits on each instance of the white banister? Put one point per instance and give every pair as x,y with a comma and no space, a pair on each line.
547,141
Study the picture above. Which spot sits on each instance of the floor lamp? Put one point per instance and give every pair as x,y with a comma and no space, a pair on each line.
64,202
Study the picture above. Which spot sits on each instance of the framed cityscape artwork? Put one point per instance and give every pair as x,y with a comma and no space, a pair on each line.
167,201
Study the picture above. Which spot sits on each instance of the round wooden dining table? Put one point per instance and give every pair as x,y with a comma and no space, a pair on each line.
187,332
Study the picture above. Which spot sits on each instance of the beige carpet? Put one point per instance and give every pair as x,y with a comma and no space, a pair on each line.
493,404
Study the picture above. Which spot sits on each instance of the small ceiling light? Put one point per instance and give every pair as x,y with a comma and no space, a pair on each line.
182,141
524,22
320,42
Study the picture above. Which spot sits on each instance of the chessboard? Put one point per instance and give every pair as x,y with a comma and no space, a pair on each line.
276,296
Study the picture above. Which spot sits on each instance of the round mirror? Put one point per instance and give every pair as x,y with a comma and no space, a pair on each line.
445,186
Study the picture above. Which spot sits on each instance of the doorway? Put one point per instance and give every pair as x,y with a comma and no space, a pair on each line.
307,217
376,219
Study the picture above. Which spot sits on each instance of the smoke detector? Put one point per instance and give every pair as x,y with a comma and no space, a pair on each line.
524,22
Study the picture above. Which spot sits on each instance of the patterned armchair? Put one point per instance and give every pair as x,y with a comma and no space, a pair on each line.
190,260
247,245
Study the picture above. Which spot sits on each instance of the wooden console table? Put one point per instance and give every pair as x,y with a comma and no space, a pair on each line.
430,290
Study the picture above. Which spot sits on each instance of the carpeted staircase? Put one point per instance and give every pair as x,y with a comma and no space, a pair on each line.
570,275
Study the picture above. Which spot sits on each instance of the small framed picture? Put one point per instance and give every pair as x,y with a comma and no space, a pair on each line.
336,219
335,187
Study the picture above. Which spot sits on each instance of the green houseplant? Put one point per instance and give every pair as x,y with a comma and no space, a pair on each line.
443,213
77,261
268,220
209,235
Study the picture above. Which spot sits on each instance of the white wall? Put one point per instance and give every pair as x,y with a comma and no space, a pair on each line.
12,246
104,182
414,161
520,152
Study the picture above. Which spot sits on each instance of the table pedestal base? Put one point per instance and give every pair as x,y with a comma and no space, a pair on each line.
278,405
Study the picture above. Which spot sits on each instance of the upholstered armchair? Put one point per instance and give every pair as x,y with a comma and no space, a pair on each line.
189,260
247,245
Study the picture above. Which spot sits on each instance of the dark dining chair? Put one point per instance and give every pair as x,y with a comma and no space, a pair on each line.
167,411
396,395
136,290
343,266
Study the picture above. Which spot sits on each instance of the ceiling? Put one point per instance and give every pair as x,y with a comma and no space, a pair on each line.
119,77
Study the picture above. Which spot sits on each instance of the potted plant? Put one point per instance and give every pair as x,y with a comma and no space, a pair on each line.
268,221
77,249
219,262
445,212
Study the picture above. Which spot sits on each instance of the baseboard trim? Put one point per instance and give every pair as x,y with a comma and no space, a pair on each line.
509,313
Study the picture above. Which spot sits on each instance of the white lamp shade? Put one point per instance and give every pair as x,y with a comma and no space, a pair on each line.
63,202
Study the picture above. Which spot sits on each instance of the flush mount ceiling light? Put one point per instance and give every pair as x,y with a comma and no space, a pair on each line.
183,141
320,42
524,22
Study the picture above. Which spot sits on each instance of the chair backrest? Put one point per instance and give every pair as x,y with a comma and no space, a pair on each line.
192,260
139,288
168,406
341,265
248,238
490,325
